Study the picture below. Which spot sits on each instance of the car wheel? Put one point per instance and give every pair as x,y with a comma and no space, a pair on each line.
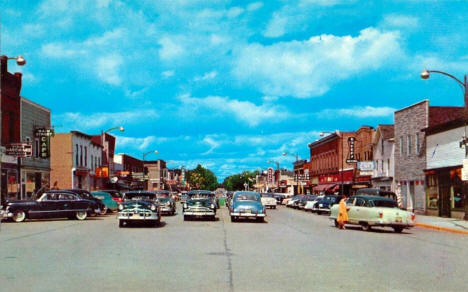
19,216
336,223
103,211
186,218
398,229
274,207
81,215
122,223
233,219
260,219
319,213
366,227
213,218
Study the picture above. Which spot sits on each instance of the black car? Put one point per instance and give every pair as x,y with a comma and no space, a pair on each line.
52,204
139,206
279,198
324,205
203,193
168,205
84,194
201,204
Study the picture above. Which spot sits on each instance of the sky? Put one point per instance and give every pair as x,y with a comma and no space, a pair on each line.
232,85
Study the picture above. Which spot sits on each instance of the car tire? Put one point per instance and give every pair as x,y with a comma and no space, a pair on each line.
233,219
186,218
260,219
366,227
122,223
274,207
319,213
213,218
398,229
103,211
19,216
81,215
336,223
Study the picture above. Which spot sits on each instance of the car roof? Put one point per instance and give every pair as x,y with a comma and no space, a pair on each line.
246,193
372,198
61,191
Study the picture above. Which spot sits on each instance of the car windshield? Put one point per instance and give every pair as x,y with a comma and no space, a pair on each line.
199,203
246,197
133,205
136,197
267,196
384,203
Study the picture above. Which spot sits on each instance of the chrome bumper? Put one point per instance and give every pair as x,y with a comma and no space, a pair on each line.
242,214
204,213
137,216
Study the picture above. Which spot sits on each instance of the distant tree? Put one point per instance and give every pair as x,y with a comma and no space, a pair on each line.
236,182
202,178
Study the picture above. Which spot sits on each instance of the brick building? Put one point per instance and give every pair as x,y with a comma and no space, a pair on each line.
410,151
11,121
130,171
107,170
157,174
74,161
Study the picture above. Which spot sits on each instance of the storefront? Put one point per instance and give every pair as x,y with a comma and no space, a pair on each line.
33,182
331,183
444,192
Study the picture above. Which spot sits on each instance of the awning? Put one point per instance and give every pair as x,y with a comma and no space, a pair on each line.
324,187
359,186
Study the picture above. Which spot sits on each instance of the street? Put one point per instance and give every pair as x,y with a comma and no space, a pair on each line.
292,251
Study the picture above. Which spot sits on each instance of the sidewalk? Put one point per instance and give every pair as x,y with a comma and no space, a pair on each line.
444,224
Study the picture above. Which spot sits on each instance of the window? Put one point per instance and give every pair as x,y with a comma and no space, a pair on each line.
388,165
417,149
86,156
81,155
76,155
401,145
408,143
92,162
382,146
36,148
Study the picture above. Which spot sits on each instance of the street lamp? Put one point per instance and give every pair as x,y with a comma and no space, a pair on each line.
296,179
279,172
20,61
339,135
106,150
148,153
425,74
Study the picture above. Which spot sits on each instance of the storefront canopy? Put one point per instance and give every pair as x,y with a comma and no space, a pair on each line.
326,187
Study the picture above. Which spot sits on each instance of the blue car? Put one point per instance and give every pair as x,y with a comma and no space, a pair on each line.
247,205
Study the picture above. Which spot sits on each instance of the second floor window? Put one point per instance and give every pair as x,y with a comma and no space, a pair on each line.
418,146
86,156
81,155
408,143
76,155
401,145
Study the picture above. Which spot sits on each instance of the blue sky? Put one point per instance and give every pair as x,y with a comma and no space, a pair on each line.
232,84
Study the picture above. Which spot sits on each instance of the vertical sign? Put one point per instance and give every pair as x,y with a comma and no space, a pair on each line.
464,171
270,175
44,141
351,155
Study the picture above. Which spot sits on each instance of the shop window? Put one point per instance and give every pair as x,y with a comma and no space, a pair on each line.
432,192
456,191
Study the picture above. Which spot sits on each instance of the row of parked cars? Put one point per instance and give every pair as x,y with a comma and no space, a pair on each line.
368,208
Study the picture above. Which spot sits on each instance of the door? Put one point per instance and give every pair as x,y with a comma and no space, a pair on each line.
48,206
444,201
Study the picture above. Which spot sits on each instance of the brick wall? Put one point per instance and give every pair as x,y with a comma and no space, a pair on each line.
61,160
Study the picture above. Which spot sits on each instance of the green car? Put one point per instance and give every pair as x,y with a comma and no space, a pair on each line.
107,199
370,211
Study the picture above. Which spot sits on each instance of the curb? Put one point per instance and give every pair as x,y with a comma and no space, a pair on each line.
441,228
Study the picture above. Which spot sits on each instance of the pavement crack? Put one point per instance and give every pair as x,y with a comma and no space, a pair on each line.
227,252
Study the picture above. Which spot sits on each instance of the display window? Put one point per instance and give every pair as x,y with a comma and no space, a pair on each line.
432,192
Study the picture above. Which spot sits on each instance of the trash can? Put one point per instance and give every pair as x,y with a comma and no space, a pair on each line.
221,201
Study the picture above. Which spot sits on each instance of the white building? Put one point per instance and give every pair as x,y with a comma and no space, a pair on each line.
383,154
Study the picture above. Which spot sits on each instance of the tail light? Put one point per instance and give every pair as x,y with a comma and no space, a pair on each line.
119,200
380,215
413,216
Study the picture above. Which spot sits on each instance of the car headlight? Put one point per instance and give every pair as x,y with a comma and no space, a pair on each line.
185,206
153,208
120,207
212,206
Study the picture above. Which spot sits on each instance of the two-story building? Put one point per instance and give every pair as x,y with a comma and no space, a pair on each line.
384,162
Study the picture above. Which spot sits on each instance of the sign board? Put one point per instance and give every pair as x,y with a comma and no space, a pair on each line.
464,171
270,175
19,149
44,134
351,155
366,166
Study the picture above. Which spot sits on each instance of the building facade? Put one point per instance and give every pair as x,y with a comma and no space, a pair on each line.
157,174
35,130
384,162
410,151
74,160
130,172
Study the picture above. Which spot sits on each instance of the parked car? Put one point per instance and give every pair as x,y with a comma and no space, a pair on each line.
84,194
116,195
107,199
324,205
199,205
371,211
52,204
168,205
303,201
268,200
279,198
310,204
247,205
377,192
139,206
292,201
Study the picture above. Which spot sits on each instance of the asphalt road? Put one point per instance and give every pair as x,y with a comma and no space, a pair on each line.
291,251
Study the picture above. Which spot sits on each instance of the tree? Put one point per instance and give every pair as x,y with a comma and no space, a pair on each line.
236,182
202,179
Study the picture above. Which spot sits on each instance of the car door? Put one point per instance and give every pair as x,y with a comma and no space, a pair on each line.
66,202
354,210
49,206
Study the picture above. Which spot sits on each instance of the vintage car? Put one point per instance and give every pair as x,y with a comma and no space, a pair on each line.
292,201
167,205
116,195
309,206
279,198
51,204
84,194
107,199
139,206
324,205
371,211
268,200
247,205
200,204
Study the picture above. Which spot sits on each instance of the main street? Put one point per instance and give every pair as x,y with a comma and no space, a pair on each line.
292,251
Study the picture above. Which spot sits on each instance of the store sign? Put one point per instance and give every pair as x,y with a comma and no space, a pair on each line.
351,155
270,175
44,134
366,165
19,149
102,172
464,172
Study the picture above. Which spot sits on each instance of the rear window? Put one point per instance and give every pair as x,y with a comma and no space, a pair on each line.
384,203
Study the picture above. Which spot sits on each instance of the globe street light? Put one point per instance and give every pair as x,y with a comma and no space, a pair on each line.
425,74
148,153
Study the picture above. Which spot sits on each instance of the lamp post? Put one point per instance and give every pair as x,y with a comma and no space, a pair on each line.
148,153
103,140
296,178
425,74
20,61
340,136
279,172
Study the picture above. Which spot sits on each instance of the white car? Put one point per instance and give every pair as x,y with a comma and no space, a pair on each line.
268,200
310,204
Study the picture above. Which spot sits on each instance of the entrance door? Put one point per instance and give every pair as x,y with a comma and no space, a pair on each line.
444,201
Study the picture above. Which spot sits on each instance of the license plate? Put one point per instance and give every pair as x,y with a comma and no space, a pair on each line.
398,219
247,211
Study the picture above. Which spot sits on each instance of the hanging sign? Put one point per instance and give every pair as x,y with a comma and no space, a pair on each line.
44,135
19,149
351,155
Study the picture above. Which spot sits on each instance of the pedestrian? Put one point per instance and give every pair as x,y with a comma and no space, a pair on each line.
342,214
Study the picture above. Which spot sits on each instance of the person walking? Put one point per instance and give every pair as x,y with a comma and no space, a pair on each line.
342,214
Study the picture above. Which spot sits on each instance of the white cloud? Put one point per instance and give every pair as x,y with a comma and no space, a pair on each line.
277,26
400,21
206,76
245,111
107,69
75,120
234,12
309,68
138,143
254,6
357,112
168,73
171,47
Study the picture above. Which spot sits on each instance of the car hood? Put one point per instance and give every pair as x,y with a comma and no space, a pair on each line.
247,204
137,204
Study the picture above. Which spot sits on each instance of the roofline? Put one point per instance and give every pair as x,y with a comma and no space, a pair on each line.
418,103
34,104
